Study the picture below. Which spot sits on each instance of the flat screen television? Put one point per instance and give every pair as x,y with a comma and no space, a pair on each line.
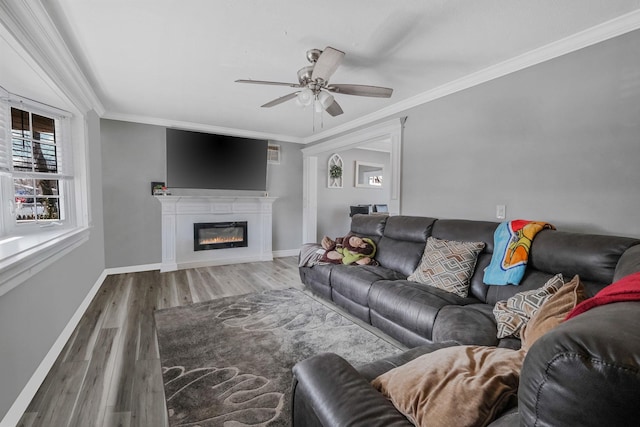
204,160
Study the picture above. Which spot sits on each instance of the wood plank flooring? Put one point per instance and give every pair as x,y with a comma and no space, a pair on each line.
109,373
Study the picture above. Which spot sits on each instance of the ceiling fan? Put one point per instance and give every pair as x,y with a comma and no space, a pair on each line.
313,80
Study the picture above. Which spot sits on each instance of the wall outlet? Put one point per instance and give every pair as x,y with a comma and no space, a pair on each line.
501,211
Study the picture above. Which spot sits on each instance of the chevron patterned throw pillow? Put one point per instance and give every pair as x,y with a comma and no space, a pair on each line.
448,265
512,314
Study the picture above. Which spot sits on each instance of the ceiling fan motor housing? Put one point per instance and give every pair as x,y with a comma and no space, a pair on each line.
313,55
304,74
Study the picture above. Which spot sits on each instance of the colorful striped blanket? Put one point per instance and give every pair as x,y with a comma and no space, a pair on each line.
512,242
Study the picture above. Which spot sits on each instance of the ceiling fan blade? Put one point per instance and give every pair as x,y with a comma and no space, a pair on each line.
327,64
361,90
334,109
280,100
262,82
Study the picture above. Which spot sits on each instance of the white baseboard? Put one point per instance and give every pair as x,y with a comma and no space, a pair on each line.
132,269
21,403
285,253
151,267
226,261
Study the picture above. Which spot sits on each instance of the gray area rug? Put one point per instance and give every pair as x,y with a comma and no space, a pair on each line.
227,362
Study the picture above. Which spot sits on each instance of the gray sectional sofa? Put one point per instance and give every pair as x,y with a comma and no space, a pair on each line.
426,318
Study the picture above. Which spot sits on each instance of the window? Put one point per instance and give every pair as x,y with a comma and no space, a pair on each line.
35,175
44,210
36,167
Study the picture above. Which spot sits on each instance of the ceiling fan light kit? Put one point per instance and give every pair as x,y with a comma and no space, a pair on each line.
324,99
305,97
314,81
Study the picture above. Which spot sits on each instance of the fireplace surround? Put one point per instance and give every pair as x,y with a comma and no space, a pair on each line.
180,213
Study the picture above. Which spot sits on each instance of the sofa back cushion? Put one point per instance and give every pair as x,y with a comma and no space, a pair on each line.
403,241
370,226
470,231
629,262
592,257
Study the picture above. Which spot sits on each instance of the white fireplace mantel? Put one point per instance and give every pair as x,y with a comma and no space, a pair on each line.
179,213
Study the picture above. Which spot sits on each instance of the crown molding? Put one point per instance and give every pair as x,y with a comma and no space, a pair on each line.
201,127
599,33
380,132
30,25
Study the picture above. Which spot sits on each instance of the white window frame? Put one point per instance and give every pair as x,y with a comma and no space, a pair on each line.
27,248
64,176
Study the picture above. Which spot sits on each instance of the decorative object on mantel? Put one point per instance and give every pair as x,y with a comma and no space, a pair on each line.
159,189
335,169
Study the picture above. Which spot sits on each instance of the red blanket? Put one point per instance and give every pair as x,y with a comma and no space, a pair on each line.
625,289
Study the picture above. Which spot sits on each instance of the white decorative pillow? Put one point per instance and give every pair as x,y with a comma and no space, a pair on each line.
448,265
514,313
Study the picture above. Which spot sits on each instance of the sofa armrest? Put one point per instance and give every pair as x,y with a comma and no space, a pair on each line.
339,396
586,371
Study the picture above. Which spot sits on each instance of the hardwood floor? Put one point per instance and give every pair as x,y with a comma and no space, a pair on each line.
109,372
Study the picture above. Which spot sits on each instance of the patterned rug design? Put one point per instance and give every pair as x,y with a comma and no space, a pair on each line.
227,362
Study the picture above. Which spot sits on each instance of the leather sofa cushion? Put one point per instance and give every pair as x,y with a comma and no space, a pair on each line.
397,331
629,263
411,305
340,396
317,277
592,257
399,255
466,231
360,311
371,226
533,279
409,228
353,282
468,324
477,288
403,242
585,372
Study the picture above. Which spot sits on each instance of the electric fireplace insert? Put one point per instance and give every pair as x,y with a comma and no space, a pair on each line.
219,235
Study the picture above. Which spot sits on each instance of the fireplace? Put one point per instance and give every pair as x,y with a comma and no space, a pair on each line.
219,235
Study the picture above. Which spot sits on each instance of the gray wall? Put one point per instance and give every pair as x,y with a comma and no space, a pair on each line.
284,181
333,203
33,314
559,142
134,154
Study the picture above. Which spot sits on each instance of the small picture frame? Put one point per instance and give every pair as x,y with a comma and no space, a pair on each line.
158,188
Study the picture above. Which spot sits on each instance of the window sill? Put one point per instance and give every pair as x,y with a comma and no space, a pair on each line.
23,256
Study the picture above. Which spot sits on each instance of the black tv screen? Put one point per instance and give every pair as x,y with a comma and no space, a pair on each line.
203,160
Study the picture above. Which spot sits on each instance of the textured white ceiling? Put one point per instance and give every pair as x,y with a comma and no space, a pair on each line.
167,61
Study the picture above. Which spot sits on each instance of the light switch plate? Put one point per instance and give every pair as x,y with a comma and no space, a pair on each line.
501,211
